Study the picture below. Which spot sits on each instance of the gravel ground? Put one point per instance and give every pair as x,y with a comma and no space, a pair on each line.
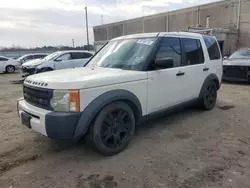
188,149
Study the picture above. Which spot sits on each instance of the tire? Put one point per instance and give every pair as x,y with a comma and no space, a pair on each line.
113,129
209,97
10,69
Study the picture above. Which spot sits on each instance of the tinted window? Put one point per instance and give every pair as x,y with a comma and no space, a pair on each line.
192,52
170,48
39,56
80,55
212,48
3,59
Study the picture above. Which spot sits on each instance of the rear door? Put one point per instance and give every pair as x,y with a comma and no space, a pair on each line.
214,57
80,58
194,67
3,62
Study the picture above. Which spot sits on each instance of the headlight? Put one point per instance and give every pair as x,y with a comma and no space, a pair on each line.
65,101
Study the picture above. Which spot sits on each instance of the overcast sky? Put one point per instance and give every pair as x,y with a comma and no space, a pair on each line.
32,23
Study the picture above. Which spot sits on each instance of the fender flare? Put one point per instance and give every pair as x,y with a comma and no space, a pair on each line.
90,112
210,78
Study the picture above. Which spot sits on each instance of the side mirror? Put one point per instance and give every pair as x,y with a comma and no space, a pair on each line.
164,63
225,57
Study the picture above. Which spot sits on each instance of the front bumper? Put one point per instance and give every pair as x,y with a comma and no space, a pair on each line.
27,71
55,125
236,73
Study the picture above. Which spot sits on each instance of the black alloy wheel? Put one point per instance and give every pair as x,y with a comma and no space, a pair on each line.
113,128
210,96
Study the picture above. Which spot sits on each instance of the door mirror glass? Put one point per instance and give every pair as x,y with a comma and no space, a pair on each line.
164,63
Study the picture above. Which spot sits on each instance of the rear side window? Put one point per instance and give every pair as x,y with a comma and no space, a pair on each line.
3,59
39,56
212,47
192,52
80,55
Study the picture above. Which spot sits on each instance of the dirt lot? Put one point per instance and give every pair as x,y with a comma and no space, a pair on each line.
189,149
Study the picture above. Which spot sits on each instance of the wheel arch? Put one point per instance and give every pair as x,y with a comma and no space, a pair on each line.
92,110
210,78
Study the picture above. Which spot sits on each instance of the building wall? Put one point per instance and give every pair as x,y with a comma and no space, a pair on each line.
244,39
222,14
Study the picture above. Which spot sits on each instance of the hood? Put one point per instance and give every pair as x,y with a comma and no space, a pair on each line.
34,62
83,78
237,62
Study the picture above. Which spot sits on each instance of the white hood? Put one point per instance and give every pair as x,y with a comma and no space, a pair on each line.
82,78
31,63
237,62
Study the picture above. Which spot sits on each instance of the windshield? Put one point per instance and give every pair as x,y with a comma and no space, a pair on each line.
51,56
242,54
22,57
129,54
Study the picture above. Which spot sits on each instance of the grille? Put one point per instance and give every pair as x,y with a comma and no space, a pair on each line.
236,71
38,96
30,71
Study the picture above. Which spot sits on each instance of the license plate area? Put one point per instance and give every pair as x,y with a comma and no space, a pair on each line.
26,119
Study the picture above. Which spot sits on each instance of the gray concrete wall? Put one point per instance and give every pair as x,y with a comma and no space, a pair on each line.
244,39
222,15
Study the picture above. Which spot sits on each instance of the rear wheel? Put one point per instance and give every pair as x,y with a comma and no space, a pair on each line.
209,97
10,69
113,128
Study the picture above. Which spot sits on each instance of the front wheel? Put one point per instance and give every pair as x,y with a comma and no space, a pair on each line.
209,97
113,129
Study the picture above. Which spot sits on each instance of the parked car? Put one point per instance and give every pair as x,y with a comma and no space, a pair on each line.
56,61
8,65
237,66
29,57
128,80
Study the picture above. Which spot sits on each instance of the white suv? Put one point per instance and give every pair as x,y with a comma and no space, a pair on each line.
129,79
57,60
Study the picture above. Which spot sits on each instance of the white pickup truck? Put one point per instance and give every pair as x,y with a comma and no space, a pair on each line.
129,79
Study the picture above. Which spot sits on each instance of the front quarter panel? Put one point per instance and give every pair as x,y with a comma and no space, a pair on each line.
46,64
94,99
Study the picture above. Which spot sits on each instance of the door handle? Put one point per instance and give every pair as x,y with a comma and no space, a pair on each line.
180,74
206,69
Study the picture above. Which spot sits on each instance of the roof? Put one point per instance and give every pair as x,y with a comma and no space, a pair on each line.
149,35
4,57
39,53
68,51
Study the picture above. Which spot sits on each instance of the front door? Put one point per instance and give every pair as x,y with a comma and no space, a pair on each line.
64,61
166,86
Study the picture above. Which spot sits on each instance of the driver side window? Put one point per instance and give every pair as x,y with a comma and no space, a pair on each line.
170,49
64,57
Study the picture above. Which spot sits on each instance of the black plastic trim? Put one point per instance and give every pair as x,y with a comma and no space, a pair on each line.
61,125
100,102
210,78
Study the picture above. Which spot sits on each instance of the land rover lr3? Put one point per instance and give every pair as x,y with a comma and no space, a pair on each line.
130,78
